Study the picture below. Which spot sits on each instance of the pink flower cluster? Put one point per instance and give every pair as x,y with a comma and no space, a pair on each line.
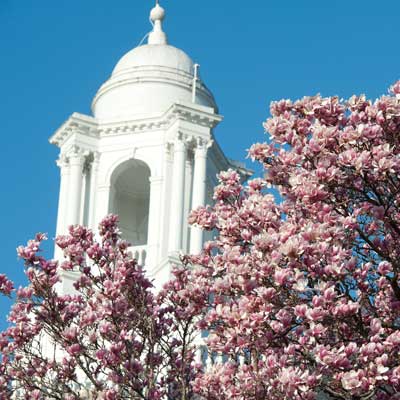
6,286
110,339
300,294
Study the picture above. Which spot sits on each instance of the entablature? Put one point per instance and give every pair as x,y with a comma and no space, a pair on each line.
90,126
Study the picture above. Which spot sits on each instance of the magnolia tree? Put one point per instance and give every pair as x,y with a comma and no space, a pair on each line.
299,292
110,339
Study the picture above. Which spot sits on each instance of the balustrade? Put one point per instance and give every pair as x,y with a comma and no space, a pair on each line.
139,253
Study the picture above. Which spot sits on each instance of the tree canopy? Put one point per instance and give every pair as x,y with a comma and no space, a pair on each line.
298,294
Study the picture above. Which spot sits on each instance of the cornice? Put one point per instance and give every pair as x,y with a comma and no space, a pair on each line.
132,127
76,123
91,127
196,114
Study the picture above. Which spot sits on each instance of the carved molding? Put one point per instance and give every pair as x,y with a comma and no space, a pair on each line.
203,144
89,126
76,155
63,161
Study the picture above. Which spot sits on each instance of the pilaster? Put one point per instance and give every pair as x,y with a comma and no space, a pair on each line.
76,161
63,164
188,198
178,195
199,190
94,170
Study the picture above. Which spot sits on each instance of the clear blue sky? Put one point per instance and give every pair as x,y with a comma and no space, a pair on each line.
56,54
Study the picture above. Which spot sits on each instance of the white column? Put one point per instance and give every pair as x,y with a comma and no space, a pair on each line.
63,164
165,204
61,228
102,203
199,192
93,191
177,198
188,202
154,222
76,160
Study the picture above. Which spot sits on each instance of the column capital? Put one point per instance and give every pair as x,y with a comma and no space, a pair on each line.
202,146
63,161
179,145
168,147
189,140
202,143
91,160
96,156
76,155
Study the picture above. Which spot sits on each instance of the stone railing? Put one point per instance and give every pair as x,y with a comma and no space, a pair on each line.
139,253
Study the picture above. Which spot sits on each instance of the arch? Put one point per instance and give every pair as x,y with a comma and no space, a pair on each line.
130,199
119,163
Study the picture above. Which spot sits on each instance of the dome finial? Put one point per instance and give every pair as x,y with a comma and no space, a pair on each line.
157,15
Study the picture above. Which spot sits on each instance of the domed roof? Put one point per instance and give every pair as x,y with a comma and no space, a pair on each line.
148,79
155,55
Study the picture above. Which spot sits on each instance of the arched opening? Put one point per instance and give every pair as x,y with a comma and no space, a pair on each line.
129,199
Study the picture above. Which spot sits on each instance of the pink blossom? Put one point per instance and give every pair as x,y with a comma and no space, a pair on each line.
395,88
351,380
6,286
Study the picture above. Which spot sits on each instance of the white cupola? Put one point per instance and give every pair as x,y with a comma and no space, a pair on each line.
148,153
149,78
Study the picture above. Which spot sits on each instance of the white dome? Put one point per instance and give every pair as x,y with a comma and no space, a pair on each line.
155,55
146,82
